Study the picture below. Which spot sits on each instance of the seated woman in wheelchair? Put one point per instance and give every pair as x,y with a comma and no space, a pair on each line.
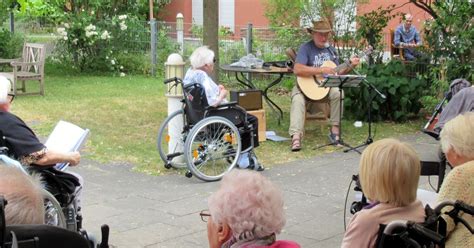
202,64
457,142
389,174
23,145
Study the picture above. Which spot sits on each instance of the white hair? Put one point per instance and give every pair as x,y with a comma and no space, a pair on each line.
201,56
23,193
5,88
458,134
408,16
249,203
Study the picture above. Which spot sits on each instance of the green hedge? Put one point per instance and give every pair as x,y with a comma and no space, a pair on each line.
403,93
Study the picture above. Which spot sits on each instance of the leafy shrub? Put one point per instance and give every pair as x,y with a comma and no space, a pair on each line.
95,47
10,44
134,63
403,93
165,47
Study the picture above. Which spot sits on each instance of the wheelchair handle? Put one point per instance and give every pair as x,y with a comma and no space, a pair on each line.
417,228
466,208
105,236
173,79
394,225
458,205
425,232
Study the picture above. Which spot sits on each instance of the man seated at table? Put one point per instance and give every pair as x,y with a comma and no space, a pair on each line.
309,63
408,38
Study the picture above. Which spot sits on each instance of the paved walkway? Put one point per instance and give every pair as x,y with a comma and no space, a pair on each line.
151,211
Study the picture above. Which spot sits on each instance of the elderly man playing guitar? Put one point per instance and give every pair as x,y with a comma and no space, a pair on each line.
315,59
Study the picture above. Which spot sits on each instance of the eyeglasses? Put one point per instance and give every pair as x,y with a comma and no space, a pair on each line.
204,215
12,96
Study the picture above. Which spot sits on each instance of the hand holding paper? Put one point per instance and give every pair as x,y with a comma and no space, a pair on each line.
68,139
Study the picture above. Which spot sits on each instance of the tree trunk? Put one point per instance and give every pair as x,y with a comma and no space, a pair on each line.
211,30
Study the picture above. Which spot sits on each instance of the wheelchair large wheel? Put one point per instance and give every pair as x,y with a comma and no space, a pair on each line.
54,215
212,148
170,140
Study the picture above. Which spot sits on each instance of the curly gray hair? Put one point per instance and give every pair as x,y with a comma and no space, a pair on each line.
5,88
201,56
249,203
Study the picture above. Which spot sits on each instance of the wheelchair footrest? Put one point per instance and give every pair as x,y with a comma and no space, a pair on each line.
173,155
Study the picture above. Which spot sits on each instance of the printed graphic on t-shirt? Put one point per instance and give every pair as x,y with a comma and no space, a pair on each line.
320,58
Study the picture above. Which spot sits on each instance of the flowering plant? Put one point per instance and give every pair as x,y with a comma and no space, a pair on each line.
87,43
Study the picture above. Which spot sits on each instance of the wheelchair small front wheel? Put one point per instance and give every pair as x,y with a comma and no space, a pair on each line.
170,140
212,148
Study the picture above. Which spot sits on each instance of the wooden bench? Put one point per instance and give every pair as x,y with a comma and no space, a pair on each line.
29,67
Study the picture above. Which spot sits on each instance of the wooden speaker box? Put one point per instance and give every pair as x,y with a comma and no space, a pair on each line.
262,123
247,99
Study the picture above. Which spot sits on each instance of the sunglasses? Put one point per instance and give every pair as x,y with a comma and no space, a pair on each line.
12,96
204,215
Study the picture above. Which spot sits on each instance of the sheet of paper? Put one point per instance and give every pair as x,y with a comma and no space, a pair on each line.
66,137
271,135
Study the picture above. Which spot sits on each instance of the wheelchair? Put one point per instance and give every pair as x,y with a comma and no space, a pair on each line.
42,236
206,140
431,233
62,210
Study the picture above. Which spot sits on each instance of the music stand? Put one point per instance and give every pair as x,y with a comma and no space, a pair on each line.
341,81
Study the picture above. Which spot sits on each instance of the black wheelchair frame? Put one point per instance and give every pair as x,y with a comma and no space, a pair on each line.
208,141
45,236
66,215
402,233
431,233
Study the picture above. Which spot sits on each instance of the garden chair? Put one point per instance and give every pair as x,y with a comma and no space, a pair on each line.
395,51
29,67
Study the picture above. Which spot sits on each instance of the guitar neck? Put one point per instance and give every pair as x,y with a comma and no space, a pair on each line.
342,67
347,63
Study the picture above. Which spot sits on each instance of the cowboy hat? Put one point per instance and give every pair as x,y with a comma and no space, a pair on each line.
320,27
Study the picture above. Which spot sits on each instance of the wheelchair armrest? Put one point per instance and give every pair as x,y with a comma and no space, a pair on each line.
224,105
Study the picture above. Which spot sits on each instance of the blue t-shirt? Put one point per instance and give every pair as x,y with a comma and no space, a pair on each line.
311,55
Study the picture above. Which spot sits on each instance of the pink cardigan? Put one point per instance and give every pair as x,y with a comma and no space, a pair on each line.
364,226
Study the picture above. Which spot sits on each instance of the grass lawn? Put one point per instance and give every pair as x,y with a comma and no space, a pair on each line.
124,114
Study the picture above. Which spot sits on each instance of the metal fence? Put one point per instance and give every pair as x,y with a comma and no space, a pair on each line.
264,42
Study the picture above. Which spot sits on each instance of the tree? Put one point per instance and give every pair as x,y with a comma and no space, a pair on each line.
211,30
288,17
450,34
370,29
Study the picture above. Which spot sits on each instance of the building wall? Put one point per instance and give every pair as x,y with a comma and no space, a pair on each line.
245,11
419,16
251,11
168,14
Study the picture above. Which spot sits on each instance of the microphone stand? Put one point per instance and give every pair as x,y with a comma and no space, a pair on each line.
371,87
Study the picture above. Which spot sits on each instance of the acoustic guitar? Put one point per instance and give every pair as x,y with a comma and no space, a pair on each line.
311,86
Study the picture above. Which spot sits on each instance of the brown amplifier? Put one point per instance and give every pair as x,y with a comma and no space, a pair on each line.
247,99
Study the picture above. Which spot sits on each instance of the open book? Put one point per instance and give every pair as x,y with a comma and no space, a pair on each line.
66,137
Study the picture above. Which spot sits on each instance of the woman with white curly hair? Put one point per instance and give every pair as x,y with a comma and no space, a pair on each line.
457,142
246,211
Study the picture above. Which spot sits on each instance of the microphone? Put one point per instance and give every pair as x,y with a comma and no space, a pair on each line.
326,45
